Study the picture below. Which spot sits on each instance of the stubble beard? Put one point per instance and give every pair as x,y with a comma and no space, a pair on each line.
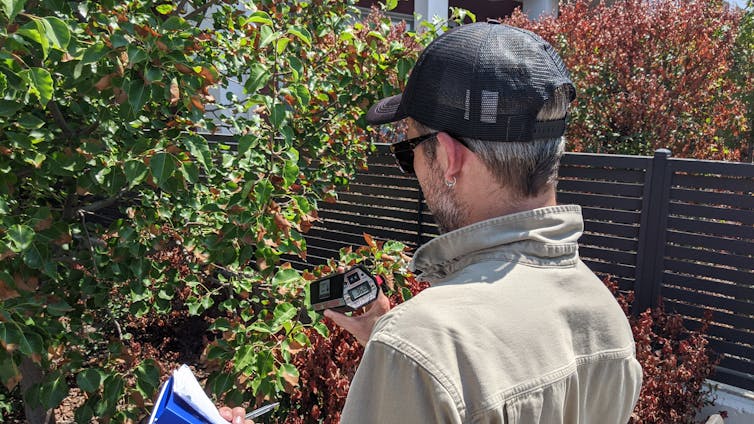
449,213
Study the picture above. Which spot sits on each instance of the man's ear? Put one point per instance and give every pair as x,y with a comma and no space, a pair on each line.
452,155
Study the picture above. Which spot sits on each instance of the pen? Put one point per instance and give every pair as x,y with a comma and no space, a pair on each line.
262,410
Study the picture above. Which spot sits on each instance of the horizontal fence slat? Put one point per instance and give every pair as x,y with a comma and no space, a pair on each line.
376,201
617,243
697,311
744,353
742,201
601,187
620,230
603,160
737,169
618,270
712,228
392,181
395,192
710,257
713,183
381,223
745,217
732,335
612,256
699,298
734,378
741,291
598,200
610,215
738,247
368,210
602,174
712,272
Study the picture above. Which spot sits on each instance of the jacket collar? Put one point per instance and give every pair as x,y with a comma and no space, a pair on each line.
542,237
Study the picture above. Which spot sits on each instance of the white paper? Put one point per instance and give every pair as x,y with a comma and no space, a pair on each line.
186,386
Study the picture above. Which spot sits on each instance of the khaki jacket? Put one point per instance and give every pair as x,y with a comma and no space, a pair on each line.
513,329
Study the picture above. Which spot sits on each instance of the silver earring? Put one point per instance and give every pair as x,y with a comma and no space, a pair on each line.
451,183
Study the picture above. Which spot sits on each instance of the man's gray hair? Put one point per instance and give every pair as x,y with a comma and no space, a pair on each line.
528,168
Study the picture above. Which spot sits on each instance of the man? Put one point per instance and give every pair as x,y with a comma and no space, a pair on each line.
514,327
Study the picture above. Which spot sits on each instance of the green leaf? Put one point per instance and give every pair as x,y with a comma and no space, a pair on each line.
147,378
40,84
30,122
260,17
258,77
137,95
290,172
267,36
283,313
57,32
246,143
282,44
391,4
277,115
302,92
190,172
263,191
53,392
13,8
89,380
136,54
27,343
8,108
165,9
21,237
220,383
199,149
302,33
163,166
286,277
94,53
135,171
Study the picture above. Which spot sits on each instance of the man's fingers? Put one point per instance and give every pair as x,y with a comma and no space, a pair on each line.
226,413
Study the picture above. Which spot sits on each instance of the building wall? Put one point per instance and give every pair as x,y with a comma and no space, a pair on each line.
483,9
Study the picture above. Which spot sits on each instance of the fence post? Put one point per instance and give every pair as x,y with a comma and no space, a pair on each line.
651,247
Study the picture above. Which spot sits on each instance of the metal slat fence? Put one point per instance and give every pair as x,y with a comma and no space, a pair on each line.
673,229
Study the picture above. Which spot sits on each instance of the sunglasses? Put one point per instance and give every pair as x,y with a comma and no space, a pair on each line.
404,151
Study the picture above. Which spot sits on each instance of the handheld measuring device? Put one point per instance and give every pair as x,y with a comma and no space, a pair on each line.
345,291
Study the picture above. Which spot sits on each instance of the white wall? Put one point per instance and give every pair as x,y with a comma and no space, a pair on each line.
428,9
535,9
738,403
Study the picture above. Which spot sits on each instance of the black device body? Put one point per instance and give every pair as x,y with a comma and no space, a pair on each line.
343,292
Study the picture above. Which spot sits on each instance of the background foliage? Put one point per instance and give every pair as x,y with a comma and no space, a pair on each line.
653,74
128,243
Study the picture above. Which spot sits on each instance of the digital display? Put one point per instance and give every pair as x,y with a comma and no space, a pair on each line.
324,289
359,291
353,278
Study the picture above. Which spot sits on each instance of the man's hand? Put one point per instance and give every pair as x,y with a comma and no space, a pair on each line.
235,415
361,325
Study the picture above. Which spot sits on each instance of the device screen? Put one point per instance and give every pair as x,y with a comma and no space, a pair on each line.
324,289
359,291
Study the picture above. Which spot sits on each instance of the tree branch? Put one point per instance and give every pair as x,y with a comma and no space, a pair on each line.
59,119
101,204
201,9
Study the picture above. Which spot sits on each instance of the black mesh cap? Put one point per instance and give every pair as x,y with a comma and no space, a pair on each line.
484,81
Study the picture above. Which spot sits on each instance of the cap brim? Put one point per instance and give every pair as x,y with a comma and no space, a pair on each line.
386,110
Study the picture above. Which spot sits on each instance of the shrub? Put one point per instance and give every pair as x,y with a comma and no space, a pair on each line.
120,223
676,362
651,74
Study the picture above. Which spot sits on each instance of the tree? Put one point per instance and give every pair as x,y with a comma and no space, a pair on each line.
119,221
651,74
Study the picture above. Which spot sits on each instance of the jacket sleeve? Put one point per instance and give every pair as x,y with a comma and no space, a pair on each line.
391,387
